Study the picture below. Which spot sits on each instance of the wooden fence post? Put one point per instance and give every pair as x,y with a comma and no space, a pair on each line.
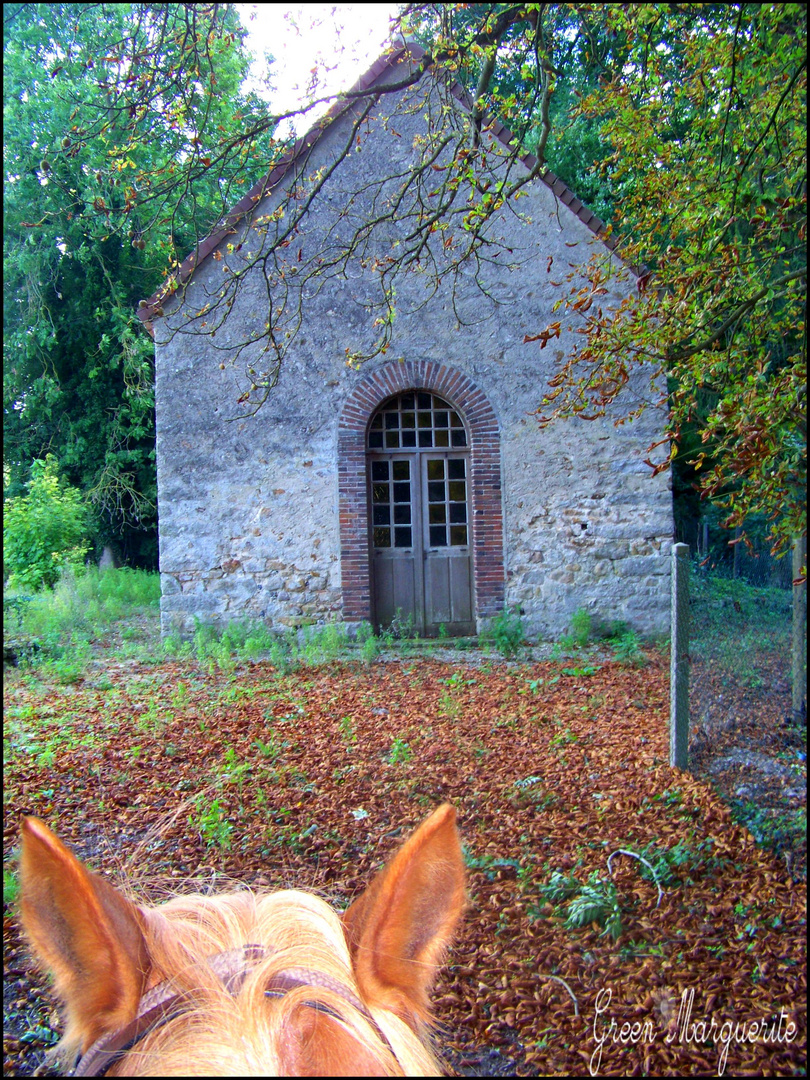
679,659
799,636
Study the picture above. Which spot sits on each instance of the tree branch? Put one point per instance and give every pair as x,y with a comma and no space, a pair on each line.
683,353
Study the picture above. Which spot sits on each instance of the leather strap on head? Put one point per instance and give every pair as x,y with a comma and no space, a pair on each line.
160,1004
163,1002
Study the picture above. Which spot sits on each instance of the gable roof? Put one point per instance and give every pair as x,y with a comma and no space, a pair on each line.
150,309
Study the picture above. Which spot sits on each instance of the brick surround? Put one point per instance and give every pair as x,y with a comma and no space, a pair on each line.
485,467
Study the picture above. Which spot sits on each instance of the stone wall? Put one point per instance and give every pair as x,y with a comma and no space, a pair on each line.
250,510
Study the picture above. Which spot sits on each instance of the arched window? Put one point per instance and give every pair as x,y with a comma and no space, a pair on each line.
416,421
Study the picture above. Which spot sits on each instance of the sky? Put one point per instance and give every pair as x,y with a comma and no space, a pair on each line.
339,41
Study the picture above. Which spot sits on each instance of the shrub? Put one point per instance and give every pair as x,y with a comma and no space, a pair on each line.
581,626
370,649
627,650
45,530
506,631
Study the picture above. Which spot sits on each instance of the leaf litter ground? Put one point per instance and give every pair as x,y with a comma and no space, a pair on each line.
180,780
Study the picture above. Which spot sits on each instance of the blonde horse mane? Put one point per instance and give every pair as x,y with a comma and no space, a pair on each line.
307,991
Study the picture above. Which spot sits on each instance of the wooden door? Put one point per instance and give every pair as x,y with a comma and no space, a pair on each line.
419,513
396,544
447,544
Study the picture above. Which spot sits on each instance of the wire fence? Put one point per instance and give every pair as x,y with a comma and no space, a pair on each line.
744,556
743,733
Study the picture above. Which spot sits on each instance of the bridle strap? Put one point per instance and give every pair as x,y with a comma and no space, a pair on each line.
293,978
163,1002
156,1007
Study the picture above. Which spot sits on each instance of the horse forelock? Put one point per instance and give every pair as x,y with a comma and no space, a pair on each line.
309,1028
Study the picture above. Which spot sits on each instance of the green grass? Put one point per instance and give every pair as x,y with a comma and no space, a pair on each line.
53,628
11,887
730,618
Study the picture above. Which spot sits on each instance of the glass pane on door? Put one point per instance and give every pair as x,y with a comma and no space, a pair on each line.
391,514
447,502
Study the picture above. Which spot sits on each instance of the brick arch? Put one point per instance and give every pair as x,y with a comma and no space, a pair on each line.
485,472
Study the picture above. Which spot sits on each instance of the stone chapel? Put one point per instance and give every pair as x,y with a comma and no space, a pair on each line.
417,485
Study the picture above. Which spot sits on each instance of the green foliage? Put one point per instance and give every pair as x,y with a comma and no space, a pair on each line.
256,642
11,888
44,531
369,644
109,115
560,887
284,652
52,630
400,753
489,864
713,185
506,632
401,627
777,832
234,770
287,650
562,738
270,749
715,601
211,823
597,902
581,626
733,623
627,649
530,792
580,630
616,628
682,858
180,697
370,649
324,644
450,703
71,665
594,901
348,731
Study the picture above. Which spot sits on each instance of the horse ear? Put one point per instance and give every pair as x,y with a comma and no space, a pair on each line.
83,930
399,928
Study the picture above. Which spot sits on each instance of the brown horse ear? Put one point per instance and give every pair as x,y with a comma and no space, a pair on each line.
399,928
84,931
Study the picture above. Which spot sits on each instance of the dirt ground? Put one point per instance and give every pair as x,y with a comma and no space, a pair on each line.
552,764
744,744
